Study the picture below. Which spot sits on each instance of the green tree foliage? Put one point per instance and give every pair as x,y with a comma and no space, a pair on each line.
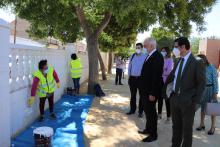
195,44
163,36
117,36
181,13
158,33
66,19
125,52
117,39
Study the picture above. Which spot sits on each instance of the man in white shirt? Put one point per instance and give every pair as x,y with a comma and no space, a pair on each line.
188,77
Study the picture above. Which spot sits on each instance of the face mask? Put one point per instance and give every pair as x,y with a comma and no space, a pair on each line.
46,71
164,54
145,51
138,51
176,52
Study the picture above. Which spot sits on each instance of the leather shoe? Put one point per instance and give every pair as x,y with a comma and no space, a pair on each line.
130,113
145,132
149,139
211,132
140,115
200,128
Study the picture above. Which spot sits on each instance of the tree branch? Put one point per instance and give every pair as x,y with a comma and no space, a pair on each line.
104,23
82,19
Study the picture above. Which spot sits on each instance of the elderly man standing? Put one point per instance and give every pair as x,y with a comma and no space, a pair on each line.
151,83
134,73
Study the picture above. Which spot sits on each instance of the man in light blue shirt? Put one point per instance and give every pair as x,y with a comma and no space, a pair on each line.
134,72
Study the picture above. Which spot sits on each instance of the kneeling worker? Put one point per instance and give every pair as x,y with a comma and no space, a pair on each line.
44,82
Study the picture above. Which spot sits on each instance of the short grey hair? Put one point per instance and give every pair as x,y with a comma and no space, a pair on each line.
151,41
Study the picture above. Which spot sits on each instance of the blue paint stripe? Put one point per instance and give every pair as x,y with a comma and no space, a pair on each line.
68,127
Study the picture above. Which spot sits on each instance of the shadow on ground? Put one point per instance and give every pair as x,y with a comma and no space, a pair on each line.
107,125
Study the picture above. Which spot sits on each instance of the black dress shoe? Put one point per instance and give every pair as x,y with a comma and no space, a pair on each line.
200,128
140,115
211,132
41,119
121,84
145,132
130,113
149,139
53,116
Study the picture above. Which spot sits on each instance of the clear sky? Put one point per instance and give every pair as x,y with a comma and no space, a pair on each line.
212,23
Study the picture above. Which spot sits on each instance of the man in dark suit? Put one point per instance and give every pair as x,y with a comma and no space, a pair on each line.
151,83
188,80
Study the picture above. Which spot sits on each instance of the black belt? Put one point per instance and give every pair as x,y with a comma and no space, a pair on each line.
209,85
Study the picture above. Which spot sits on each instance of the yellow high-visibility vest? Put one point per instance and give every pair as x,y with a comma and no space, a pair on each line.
76,68
46,84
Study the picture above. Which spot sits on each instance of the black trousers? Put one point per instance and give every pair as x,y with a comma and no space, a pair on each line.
183,119
118,76
160,105
134,87
42,103
150,113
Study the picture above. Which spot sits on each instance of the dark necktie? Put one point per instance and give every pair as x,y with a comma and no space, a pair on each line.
179,75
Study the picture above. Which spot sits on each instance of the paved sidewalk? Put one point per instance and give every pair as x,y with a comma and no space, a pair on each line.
107,125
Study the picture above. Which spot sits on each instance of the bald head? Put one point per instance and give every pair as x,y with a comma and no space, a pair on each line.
150,44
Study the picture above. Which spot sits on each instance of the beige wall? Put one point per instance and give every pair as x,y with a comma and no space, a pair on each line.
21,28
203,46
211,48
85,73
105,59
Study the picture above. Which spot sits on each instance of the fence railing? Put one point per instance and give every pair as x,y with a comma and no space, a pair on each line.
18,62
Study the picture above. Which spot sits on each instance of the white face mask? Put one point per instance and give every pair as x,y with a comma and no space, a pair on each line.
138,51
46,71
176,52
145,51
164,54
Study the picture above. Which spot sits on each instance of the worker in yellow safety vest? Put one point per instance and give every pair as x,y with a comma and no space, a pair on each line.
44,83
76,71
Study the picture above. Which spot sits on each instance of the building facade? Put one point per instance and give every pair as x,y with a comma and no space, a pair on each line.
211,48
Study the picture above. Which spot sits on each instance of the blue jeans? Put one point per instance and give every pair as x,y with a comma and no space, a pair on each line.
76,83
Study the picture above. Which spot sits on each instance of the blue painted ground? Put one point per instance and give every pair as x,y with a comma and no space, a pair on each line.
68,127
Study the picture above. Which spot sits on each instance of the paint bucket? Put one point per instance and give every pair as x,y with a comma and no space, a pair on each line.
43,136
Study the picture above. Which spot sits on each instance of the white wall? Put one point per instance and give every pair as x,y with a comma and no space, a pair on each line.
71,48
23,61
4,86
18,62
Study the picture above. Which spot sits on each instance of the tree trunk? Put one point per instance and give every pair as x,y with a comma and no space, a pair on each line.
92,44
92,47
110,62
102,66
